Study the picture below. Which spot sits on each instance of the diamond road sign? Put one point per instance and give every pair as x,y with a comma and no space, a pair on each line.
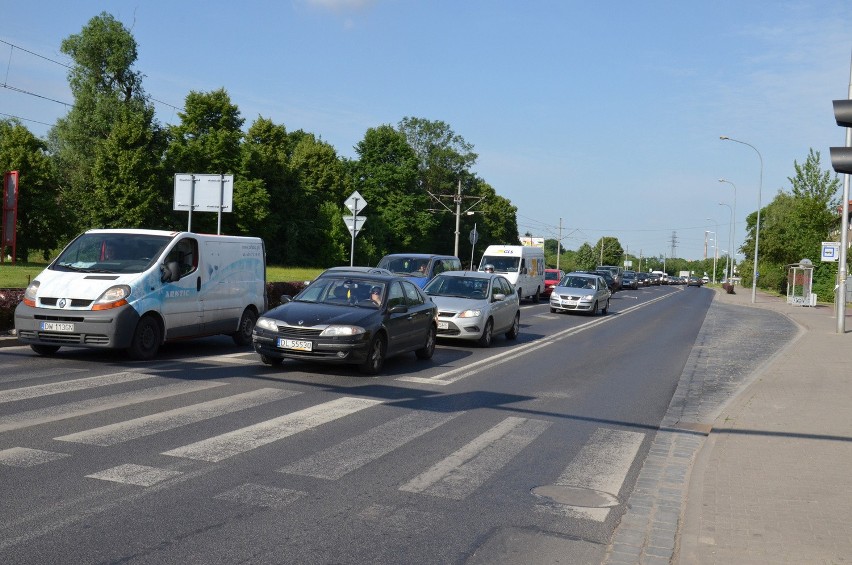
355,223
355,202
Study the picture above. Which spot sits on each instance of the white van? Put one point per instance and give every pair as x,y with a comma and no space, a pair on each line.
523,265
135,289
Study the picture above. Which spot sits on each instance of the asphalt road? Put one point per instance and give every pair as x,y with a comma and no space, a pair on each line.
522,452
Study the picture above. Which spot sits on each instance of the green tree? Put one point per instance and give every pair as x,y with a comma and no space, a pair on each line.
40,223
207,141
793,224
609,251
586,258
387,178
107,148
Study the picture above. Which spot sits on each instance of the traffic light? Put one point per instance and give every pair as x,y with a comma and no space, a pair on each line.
841,157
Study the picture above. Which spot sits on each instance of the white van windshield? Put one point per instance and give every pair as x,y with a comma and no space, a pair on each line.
501,263
119,253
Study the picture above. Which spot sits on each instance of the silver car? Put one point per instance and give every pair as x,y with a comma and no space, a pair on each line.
580,292
475,306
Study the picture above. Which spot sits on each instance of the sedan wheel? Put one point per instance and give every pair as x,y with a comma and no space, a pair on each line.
605,308
427,350
271,361
487,334
516,327
594,310
375,357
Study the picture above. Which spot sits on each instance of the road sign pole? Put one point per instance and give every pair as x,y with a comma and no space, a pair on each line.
354,232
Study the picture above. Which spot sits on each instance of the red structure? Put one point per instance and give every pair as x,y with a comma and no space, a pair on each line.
10,214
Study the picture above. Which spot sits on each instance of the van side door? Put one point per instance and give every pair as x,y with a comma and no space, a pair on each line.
181,305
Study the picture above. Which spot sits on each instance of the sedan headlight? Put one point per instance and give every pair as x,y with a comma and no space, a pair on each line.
588,297
267,324
334,331
471,313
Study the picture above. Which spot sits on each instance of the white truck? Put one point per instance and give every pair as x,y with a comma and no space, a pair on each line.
134,289
523,265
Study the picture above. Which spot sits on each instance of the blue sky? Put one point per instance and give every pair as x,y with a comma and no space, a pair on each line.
601,117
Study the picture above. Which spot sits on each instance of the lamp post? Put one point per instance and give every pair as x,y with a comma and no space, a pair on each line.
730,262
733,224
715,246
757,226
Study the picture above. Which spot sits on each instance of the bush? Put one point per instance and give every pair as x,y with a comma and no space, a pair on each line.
9,299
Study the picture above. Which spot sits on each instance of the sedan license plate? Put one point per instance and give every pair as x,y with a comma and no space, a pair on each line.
56,327
297,344
443,325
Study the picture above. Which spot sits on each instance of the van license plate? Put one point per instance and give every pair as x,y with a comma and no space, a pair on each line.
297,344
56,327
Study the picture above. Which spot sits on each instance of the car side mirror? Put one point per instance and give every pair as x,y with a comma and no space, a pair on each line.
498,297
398,309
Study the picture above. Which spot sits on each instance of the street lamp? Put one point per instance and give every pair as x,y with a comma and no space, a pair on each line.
730,261
733,225
757,226
715,246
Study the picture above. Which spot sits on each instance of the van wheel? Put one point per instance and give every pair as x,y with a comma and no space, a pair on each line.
537,296
428,350
515,329
375,356
146,339
44,349
247,321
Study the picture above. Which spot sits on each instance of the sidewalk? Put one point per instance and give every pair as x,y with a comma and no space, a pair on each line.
772,483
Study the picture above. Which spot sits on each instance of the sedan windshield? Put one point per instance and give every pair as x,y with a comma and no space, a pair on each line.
344,292
578,282
458,287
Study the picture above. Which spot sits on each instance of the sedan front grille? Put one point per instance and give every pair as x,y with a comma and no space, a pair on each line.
298,331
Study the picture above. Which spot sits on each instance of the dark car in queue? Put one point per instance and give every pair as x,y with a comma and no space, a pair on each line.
351,318
629,280
475,306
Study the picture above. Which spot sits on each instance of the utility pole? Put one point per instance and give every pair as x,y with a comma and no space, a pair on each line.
457,199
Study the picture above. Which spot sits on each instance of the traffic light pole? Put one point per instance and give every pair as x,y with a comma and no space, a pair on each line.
844,235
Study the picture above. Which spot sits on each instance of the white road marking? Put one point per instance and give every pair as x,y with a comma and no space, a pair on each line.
261,495
37,391
468,468
149,425
101,404
335,462
227,445
25,457
468,370
601,465
138,475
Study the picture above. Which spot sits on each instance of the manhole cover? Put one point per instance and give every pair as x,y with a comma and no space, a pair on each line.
576,496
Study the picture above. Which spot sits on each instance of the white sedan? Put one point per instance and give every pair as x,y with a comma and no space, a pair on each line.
475,306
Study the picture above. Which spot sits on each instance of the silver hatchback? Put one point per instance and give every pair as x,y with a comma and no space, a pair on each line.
475,306
580,292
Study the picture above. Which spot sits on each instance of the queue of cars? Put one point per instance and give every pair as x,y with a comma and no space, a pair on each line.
363,315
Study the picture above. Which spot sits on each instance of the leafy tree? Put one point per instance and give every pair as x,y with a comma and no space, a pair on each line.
612,253
387,178
107,149
586,258
40,223
207,141
793,224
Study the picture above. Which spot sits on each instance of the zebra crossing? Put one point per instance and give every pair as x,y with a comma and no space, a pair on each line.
459,472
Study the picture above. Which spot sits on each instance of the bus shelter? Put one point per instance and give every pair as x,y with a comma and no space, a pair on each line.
800,278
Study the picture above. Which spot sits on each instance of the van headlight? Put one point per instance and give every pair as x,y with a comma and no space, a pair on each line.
113,297
30,293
